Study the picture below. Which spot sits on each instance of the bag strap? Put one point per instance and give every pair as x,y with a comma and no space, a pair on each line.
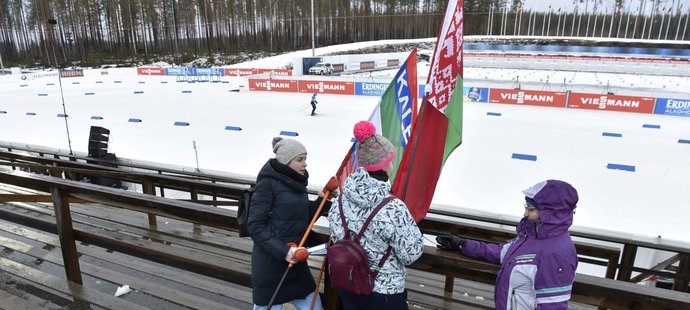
366,223
383,202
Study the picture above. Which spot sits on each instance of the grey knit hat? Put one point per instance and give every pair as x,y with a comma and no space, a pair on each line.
287,149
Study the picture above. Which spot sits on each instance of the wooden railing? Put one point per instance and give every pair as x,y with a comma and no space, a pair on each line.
597,291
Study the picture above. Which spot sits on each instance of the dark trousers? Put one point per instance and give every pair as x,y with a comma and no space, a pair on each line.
374,301
313,108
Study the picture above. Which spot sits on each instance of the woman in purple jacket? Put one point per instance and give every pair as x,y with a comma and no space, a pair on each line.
538,266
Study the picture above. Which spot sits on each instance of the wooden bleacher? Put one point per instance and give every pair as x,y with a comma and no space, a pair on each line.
192,254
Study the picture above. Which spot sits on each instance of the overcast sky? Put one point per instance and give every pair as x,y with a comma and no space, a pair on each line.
605,5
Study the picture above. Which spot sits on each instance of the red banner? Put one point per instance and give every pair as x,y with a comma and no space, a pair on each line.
527,97
282,72
327,87
611,103
150,71
273,85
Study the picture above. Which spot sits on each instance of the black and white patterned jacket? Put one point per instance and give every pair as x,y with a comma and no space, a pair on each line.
392,226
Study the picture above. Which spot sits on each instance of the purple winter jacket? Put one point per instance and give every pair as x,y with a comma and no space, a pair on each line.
538,266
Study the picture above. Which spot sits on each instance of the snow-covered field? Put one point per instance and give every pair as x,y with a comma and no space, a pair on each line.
481,175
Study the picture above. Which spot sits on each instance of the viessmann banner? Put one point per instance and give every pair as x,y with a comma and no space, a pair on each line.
327,87
611,103
527,97
150,71
273,85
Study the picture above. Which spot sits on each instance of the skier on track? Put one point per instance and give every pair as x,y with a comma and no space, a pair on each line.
313,104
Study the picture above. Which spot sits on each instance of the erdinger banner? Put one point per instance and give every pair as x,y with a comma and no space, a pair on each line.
370,89
669,106
150,71
327,87
611,103
527,97
273,85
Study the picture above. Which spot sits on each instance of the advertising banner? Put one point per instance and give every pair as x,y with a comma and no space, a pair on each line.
668,106
280,72
177,71
338,67
210,71
370,89
393,62
527,97
327,87
272,85
246,72
476,94
71,73
150,71
364,65
611,102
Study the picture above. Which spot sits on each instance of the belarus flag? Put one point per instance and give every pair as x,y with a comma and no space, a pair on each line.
437,130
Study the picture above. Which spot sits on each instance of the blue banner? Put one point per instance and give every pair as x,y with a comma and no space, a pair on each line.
476,94
370,89
210,71
668,106
178,71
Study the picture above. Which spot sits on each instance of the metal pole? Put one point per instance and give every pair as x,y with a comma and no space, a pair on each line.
313,44
2,67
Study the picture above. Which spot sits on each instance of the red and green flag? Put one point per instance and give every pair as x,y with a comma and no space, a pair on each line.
437,129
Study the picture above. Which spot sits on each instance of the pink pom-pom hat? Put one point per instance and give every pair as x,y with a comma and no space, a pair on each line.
374,152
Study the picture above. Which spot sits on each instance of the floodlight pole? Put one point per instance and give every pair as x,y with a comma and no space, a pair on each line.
312,29
52,23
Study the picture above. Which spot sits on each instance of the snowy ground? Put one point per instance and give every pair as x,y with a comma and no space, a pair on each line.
480,175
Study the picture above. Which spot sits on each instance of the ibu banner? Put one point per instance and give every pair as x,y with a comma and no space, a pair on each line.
476,94
527,97
327,87
370,89
669,106
150,71
611,103
273,85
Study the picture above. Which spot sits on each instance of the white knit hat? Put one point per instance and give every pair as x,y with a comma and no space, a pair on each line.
287,149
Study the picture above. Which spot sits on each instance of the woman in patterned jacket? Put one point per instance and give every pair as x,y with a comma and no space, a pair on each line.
392,226
538,266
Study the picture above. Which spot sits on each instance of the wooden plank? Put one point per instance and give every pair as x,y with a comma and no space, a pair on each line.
193,260
79,292
683,278
627,262
154,289
34,198
226,289
65,230
12,302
